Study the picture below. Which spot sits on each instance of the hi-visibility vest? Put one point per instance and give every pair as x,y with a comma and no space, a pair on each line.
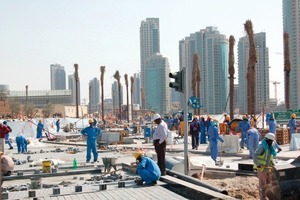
262,161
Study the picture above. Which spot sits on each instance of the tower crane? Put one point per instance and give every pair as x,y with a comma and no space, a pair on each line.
275,83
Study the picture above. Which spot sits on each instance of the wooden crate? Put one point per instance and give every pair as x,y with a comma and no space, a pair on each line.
282,135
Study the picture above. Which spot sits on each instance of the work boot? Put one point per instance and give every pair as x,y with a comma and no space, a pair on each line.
11,148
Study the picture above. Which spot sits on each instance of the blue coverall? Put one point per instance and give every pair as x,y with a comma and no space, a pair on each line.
57,125
272,126
253,135
244,127
213,137
292,125
91,132
148,170
39,129
272,129
21,140
203,132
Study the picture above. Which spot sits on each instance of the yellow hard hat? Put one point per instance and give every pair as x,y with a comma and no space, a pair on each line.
195,116
137,154
293,115
244,117
208,117
1,153
91,121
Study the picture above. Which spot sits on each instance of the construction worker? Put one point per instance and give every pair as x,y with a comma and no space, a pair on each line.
57,125
181,127
159,141
244,126
226,121
91,132
263,163
21,143
194,131
4,130
203,131
293,124
208,122
39,130
253,135
7,141
272,129
147,169
213,137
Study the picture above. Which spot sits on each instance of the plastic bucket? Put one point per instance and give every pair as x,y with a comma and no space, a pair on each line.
46,166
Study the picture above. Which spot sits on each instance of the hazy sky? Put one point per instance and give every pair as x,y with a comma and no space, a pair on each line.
37,33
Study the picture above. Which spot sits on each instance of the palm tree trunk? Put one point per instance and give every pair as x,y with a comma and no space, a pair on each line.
131,94
118,77
76,90
231,74
127,95
198,79
287,69
102,70
251,85
195,60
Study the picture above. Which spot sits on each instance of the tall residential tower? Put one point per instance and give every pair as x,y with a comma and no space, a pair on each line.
58,77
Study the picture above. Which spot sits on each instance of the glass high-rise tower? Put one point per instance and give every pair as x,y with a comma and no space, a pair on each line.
58,77
291,25
149,42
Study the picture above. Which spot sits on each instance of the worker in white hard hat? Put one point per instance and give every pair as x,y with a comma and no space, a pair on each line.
159,140
263,162
147,169
91,132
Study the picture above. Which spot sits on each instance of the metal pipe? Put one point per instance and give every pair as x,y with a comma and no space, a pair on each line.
196,182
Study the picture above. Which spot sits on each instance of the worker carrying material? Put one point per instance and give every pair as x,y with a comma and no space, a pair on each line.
147,169
263,163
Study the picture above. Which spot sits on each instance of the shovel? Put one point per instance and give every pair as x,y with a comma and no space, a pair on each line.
220,162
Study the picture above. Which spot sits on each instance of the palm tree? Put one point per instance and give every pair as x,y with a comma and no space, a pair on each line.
102,70
287,69
118,78
251,86
198,79
127,97
194,79
231,74
76,89
131,94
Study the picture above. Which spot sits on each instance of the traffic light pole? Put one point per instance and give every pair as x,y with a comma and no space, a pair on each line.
185,118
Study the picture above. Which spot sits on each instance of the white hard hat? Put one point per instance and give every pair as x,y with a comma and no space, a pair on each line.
155,117
270,136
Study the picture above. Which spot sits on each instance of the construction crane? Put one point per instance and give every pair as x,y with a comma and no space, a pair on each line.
275,83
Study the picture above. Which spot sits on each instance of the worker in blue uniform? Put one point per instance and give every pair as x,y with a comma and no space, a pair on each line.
203,131
21,142
244,126
253,135
213,137
91,132
39,129
57,125
147,169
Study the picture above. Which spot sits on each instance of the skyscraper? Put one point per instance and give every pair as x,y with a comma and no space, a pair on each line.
136,89
94,102
261,69
115,94
157,84
291,25
212,50
72,87
58,77
149,42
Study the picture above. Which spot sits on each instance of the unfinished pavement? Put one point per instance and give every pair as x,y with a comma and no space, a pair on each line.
131,190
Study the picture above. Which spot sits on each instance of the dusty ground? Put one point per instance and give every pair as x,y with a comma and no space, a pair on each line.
240,187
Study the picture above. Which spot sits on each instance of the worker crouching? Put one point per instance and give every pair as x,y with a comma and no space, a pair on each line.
147,169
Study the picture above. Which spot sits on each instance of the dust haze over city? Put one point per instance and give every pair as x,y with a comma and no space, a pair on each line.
35,34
